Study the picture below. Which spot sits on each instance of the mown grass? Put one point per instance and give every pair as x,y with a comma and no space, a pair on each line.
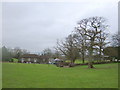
17,75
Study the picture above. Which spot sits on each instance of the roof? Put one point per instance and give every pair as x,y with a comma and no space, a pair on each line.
57,59
29,56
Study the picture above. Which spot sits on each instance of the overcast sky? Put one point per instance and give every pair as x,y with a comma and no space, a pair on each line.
36,26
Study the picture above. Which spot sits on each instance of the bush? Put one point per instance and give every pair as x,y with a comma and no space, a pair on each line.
15,60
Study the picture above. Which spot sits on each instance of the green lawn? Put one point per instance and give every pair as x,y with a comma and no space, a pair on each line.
17,75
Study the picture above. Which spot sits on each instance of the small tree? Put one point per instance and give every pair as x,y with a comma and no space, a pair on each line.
68,48
81,44
112,52
115,40
46,55
17,52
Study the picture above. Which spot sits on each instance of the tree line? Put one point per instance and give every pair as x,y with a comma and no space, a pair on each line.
9,53
88,41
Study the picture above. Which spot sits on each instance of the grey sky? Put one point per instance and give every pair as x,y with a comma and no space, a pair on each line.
36,26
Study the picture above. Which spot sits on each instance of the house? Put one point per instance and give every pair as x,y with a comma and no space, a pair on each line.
112,53
29,58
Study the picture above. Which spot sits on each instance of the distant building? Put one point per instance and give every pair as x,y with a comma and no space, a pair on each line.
29,58
33,58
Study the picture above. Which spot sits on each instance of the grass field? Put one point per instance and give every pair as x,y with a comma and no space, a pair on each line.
17,75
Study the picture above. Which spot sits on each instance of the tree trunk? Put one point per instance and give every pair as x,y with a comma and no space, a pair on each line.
90,65
83,59
72,63
100,53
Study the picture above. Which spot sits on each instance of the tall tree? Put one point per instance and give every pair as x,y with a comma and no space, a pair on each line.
6,54
91,29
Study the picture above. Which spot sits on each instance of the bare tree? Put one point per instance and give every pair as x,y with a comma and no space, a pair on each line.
115,40
101,40
68,48
57,54
81,44
17,52
47,54
91,29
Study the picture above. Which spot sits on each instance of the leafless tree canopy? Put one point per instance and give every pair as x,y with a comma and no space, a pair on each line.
91,31
68,48
115,40
88,40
